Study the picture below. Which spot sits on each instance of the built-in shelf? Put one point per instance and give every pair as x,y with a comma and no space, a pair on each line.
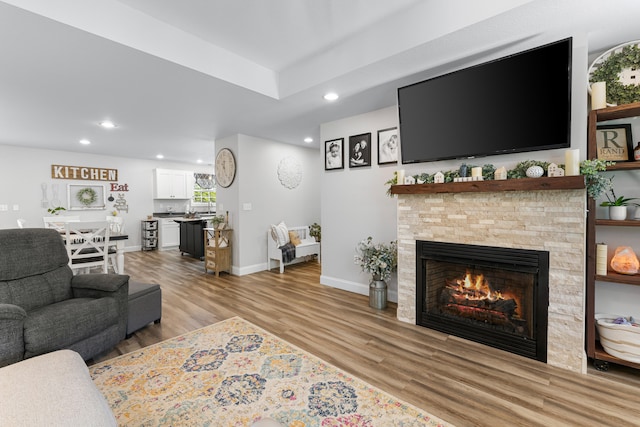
627,279
618,223
600,354
523,184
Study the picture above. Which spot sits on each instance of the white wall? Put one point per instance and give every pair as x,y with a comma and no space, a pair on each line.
256,198
354,204
24,170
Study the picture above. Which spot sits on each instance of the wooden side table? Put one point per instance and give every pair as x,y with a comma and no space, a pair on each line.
217,253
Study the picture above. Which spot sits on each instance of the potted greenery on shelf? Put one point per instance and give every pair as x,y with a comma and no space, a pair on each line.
218,221
617,205
596,182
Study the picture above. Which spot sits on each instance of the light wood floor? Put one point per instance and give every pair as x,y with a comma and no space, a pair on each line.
461,382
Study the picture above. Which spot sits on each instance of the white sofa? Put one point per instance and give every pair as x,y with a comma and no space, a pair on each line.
53,389
307,247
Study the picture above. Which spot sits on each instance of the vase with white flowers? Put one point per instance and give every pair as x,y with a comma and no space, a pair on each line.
379,260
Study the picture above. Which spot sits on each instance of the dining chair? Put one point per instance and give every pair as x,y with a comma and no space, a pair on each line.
21,222
116,225
58,222
87,244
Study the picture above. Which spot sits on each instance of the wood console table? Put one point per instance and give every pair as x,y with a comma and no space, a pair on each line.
217,253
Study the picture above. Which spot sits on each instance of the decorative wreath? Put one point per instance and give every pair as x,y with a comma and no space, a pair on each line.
608,67
86,196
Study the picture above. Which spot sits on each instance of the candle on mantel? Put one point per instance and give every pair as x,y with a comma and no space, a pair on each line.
598,95
601,259
401,177
476,172
572,162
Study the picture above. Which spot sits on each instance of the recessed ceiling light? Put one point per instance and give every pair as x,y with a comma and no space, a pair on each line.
85,142
159,156
308,139
331,96
107,124
199,160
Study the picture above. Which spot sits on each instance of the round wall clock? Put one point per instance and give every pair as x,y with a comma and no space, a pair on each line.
225,167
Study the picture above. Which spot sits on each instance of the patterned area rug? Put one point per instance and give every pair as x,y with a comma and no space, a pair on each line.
233,373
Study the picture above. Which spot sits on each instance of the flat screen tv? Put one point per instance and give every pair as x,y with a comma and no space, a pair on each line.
515,104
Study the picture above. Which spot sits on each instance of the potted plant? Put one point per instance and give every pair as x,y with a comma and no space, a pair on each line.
218,221
56,210
617,205
315,231
380,261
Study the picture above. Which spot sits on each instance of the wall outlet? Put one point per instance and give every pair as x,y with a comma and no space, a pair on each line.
4,207
16,207
246,206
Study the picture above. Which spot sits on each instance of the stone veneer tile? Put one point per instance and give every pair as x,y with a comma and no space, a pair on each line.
552,220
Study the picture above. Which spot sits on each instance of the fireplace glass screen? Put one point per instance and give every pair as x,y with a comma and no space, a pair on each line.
495,296
494,299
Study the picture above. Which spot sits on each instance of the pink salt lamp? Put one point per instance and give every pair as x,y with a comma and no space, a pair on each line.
625,261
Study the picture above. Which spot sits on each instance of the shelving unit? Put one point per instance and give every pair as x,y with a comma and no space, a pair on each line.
217,255
593,347
149,229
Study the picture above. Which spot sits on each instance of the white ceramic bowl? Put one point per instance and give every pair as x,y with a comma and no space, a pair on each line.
621,341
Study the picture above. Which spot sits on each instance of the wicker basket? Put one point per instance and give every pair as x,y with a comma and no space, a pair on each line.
621,341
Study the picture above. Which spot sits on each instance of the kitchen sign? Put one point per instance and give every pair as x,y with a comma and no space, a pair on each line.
84,173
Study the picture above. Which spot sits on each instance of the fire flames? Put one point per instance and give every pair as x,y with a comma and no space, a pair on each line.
473,296
477,288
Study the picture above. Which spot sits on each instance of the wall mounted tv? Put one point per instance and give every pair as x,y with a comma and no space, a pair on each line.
514,104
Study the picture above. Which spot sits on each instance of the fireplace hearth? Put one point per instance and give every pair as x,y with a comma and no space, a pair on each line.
492,295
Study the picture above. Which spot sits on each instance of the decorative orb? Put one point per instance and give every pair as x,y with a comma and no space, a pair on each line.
535,172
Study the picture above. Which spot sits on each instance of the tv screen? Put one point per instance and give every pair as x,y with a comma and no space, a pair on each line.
514,104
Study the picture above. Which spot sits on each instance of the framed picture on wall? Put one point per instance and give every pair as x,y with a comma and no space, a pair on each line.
614,143
360,150
334,154
388,146
84,196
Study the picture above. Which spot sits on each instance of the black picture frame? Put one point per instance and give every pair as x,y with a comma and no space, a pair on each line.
614,143
388,146
360,150
332,162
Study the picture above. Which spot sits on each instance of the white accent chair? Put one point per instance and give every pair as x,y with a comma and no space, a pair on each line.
307,247
21,222
87,244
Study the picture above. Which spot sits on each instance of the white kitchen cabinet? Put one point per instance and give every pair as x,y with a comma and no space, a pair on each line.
169,233
172,184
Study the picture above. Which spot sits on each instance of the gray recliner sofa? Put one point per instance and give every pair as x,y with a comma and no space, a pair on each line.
44,307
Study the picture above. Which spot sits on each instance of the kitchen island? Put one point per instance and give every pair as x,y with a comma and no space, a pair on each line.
191,236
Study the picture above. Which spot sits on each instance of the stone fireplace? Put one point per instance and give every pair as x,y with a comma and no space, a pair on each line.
544,214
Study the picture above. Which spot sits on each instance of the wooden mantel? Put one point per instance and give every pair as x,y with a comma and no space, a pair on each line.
523,184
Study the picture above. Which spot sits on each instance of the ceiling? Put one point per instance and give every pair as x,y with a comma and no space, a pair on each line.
175,76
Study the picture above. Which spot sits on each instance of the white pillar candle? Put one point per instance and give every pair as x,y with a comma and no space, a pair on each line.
401,177
572,162
601,259
476,172
598,95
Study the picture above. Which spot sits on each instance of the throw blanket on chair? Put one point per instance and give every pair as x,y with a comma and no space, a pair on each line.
288,252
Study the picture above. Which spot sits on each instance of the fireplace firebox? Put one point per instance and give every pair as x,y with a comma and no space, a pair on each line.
492,295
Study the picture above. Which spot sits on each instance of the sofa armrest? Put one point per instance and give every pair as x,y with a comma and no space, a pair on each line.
11,333
105,285
97,282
